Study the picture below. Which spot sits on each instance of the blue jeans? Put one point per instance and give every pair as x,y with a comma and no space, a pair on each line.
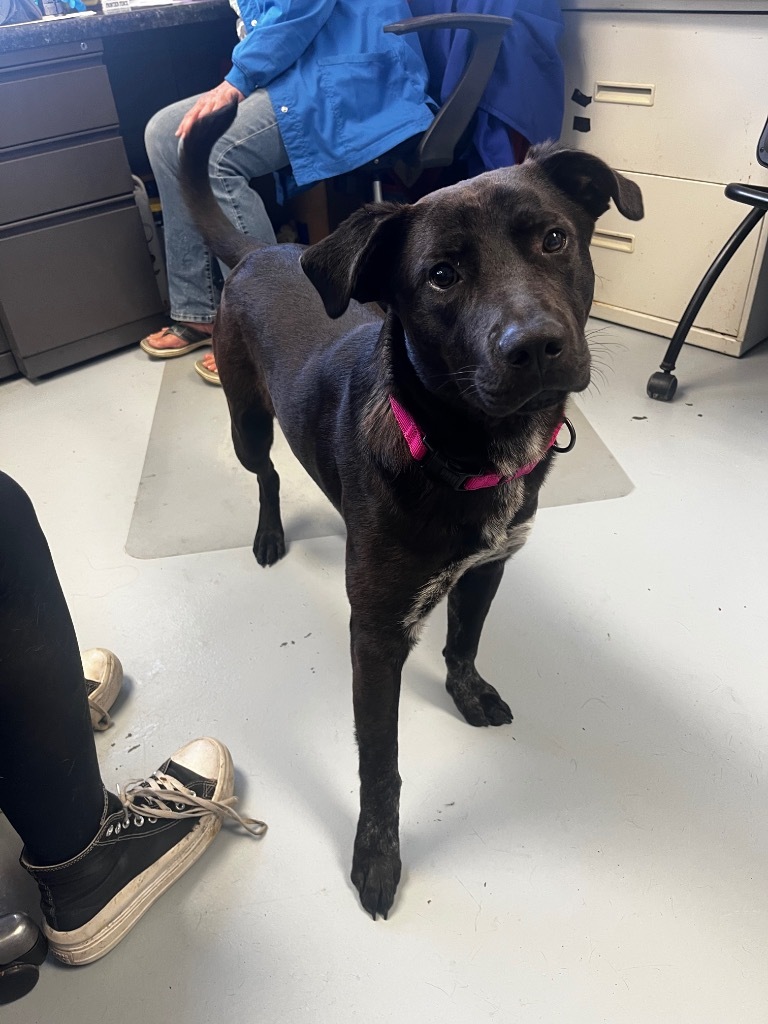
252,147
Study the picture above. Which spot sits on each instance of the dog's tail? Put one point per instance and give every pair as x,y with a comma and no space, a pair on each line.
223,239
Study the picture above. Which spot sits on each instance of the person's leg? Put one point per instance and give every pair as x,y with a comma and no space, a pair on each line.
192,289
100,859
50,787
252,147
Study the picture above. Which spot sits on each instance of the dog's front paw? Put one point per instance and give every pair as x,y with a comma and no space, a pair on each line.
477,700
376,876
269,546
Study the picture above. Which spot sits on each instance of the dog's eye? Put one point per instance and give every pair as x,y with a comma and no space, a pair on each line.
443,275
554,241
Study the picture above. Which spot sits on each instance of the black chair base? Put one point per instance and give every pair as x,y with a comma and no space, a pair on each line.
663,385
23,947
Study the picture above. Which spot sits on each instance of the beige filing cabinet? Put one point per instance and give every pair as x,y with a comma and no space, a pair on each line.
678,101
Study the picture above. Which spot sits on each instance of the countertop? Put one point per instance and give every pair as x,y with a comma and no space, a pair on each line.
73,28
668,6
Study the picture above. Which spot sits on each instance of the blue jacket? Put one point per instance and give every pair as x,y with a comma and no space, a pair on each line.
344,92
526,89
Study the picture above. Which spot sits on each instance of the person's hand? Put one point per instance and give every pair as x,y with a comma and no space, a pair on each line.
215,99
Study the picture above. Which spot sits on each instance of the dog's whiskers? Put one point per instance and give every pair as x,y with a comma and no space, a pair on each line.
470,367
598,377
454,381
607,343
457,377
603,367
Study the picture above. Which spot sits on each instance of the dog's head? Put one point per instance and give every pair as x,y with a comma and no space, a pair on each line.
491,278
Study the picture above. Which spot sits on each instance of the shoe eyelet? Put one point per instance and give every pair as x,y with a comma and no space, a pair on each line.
138,820
110,830
152,821
118,826
179,807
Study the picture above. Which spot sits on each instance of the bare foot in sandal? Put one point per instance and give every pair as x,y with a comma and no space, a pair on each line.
176,340
206,367
209,362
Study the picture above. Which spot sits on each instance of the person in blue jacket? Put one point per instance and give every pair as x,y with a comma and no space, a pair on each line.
322,89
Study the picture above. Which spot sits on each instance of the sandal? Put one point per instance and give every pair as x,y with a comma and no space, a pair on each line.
212,376
193,338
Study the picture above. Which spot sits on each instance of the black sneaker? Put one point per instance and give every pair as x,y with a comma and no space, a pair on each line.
150,834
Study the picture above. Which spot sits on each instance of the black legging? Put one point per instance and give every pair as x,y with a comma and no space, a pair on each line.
50,786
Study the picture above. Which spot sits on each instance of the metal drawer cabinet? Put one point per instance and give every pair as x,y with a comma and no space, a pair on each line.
76,276
77,286
56,179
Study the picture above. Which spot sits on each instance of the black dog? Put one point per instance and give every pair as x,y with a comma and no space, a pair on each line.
430,428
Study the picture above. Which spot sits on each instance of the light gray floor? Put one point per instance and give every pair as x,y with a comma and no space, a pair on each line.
602,859
191,465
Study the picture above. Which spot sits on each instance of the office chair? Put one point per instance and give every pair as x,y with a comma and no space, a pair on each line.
23,947
439,144
662,385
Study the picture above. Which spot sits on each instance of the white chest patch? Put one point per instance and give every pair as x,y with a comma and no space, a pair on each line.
500,542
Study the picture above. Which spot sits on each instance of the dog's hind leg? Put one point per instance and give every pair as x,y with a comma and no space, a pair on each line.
468,605
252,434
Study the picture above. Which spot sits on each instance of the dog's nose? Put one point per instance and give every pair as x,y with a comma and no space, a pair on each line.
537,342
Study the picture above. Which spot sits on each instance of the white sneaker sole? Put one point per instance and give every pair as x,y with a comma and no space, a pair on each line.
104,931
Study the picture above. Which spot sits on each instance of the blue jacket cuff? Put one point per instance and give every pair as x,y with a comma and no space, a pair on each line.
238,79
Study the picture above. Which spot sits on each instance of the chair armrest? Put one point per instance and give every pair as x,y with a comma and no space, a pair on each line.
752,195
439,142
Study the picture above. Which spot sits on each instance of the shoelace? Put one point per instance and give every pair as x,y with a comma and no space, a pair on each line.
162,796
104,721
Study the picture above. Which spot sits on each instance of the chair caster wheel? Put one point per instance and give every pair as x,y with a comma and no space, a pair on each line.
662,386
17,981
22,949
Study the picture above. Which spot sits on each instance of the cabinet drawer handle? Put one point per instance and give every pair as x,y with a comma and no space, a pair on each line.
615,240
625,92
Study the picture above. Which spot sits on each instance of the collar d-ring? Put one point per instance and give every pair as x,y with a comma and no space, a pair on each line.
571,438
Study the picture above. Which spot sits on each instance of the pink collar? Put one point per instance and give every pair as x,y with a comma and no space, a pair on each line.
450,473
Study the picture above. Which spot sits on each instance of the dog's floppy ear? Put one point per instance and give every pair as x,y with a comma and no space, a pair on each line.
588,180
355,261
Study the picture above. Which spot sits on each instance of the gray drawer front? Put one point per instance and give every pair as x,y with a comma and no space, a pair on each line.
32,186
48,53
74,279
8,367
7,362
47,106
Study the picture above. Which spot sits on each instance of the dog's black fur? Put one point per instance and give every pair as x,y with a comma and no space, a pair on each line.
487,286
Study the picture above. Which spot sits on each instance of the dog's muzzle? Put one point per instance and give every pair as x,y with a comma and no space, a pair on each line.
532,366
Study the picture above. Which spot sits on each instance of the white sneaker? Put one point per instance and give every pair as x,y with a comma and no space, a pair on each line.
103,676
